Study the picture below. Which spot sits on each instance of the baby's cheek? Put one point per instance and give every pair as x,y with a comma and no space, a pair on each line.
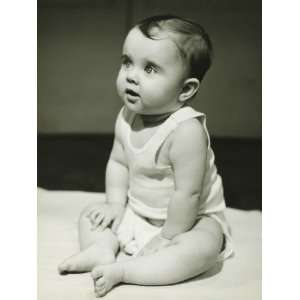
120,85
152,94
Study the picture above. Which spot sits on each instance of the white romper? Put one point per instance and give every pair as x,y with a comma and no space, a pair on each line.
148,181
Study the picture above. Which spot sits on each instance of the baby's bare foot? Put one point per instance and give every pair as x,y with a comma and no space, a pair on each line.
86,260
106,277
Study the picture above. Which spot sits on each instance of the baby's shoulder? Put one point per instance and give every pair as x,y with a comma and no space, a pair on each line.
189,139
191,131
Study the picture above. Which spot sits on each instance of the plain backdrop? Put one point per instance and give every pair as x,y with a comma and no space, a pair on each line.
79,49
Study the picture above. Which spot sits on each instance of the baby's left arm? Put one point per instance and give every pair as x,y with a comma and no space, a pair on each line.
187,154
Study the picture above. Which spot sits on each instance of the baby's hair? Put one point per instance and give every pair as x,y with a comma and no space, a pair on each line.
191,39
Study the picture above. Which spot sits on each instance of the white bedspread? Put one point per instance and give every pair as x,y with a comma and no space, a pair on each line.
238,278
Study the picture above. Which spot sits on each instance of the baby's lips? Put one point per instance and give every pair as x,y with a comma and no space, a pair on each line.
132,92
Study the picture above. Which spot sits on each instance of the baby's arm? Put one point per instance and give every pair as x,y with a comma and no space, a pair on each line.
188,152
116,182
116,179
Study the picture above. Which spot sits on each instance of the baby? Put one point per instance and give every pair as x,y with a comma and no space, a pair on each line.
163,220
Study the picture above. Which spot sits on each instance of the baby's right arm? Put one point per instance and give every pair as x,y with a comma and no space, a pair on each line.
116,179
116,182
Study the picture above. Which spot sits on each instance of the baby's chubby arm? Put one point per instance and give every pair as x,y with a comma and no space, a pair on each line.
188,150
116,177
116,182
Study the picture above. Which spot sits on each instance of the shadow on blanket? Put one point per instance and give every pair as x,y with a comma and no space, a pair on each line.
217,268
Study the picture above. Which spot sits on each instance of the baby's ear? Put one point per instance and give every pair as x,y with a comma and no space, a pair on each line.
190,88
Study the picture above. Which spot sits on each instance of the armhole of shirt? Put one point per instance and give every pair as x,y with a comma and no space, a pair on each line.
119,126
202,120
123,124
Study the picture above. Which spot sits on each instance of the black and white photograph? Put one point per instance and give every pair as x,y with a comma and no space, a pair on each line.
149,149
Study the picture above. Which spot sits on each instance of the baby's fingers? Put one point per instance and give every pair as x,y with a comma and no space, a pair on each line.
97,221
106,221
94,214
88,215
116,224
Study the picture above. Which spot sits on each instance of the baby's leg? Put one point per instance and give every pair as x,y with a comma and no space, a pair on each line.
96,247
189,255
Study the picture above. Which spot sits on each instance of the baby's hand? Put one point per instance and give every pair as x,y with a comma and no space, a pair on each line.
105,215
156,243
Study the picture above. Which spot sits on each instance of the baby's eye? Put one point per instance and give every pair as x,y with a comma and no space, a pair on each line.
126,63
150,69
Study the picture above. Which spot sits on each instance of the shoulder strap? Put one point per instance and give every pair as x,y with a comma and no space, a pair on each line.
185,113
122,123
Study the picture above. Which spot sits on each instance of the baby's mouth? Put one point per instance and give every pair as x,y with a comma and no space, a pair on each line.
131,93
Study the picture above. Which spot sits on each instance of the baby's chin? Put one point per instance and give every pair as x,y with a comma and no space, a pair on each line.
135,106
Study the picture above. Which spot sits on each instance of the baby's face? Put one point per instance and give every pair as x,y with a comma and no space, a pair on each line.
152,74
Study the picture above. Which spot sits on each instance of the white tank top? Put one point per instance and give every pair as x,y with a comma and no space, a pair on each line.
148,180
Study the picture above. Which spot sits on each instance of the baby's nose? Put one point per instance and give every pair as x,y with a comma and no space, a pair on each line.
132,77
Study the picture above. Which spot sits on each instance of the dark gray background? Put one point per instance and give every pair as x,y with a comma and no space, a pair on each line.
79,48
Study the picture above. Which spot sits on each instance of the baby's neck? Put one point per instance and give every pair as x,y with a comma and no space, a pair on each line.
153,120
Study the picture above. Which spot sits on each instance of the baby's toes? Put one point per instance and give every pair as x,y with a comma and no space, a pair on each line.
100,291
96,273
99,283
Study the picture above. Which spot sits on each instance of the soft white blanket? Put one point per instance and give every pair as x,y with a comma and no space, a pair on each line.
238,278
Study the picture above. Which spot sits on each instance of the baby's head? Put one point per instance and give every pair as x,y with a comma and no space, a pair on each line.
164,60
190,38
